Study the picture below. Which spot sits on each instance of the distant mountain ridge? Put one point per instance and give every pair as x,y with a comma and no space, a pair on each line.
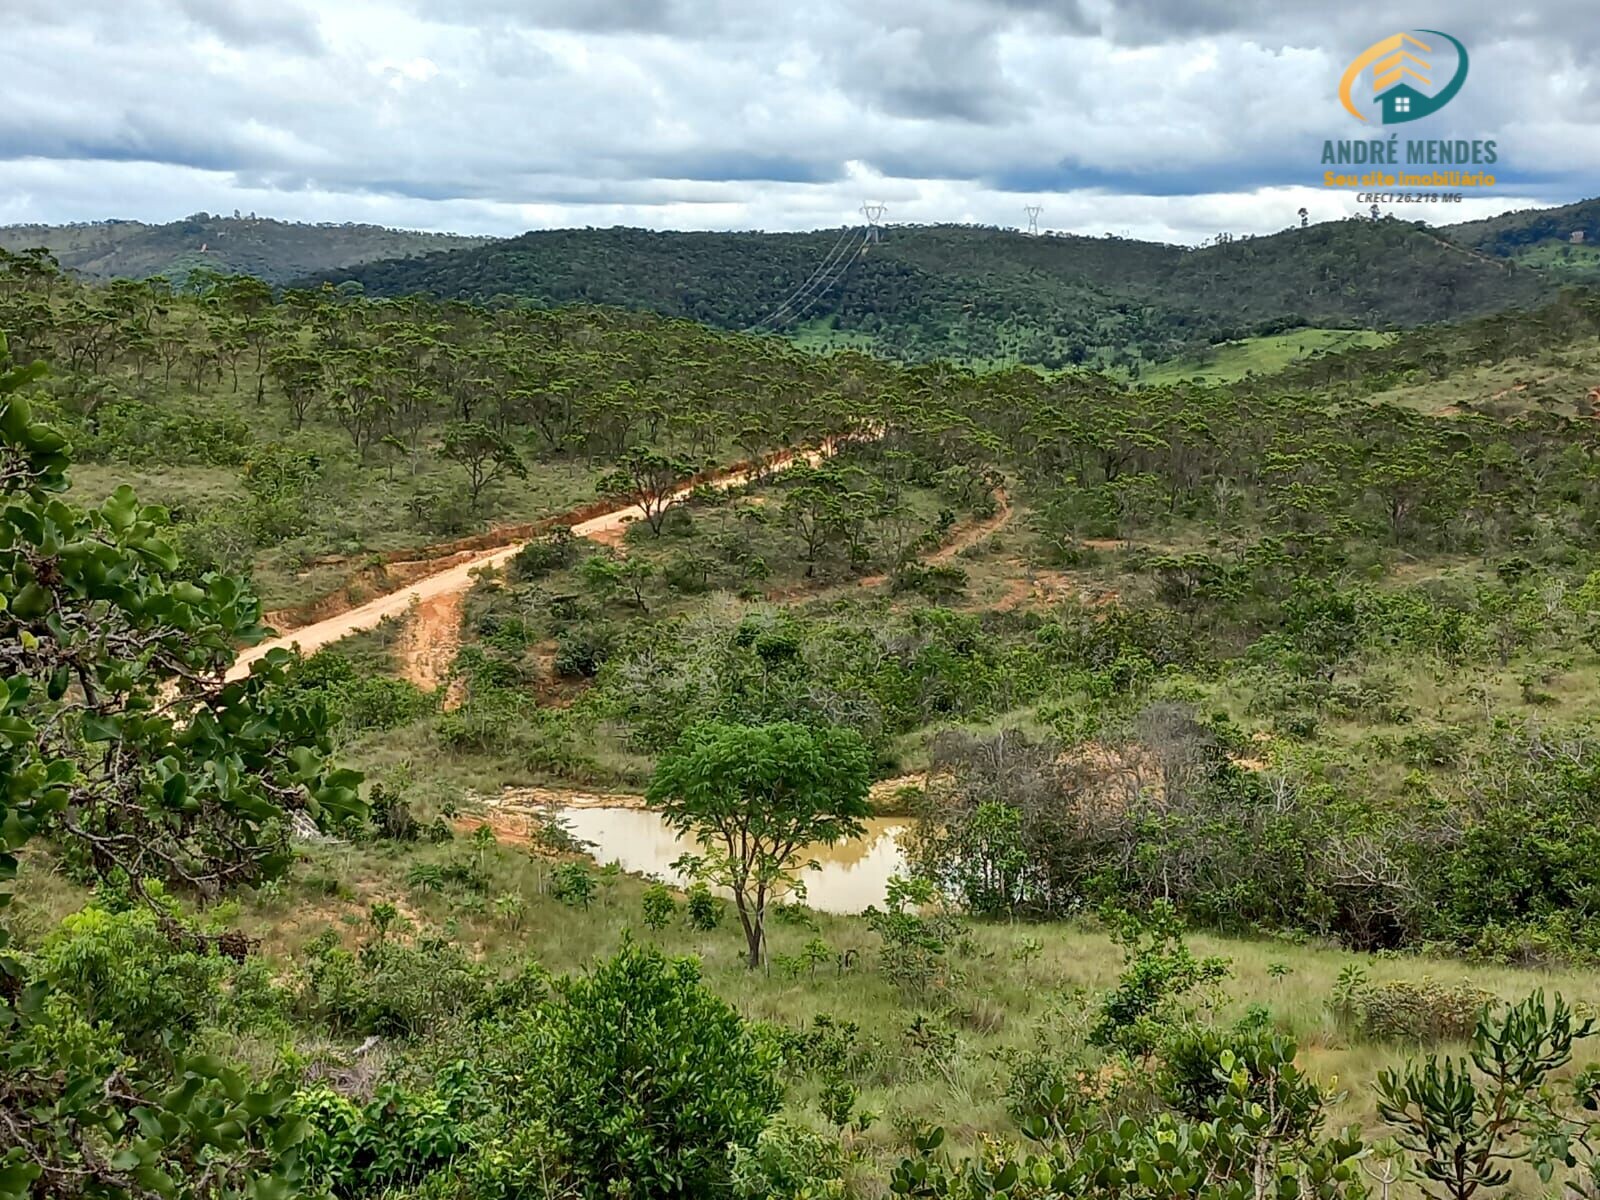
277,251
1564,242
976,294
982,294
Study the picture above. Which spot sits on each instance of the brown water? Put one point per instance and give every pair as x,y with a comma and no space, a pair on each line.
848,878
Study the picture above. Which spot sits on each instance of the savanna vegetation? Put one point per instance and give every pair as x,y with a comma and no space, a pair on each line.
990,297
276,251
1243,733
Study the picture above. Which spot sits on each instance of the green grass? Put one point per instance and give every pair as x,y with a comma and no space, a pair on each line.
822,335
1564,261
1559,382
1004,1004
1259,355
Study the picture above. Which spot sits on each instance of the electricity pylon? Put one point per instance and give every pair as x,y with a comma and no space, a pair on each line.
873,213
1033,211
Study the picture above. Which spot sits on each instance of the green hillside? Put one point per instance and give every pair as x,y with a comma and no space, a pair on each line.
987,296
1227,361
1541,238
276,251
1241,741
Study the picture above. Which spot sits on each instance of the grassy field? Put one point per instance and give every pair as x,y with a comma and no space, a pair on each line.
1020,989
1558,382
821,334
1259,355
1564,261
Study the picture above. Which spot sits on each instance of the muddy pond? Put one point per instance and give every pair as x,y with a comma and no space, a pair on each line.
848,878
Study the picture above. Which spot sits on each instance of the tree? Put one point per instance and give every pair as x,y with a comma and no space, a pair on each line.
755,797
1468,1126
121,738
299,375
649,479
647,1078
484,454
813,507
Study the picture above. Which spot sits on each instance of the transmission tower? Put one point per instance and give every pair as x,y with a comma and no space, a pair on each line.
873,213
1033,211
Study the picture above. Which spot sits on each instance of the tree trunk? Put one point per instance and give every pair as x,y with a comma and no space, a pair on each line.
752,929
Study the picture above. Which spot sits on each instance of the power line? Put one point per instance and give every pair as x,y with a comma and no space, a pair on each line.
844,267
808,296
827,263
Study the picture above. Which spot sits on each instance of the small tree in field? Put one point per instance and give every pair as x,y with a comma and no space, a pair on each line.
483,454
755,797
647,478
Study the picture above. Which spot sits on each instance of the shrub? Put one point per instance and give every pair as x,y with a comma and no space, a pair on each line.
1421,1012
573,884
397,1138
580,653
389,816
702,909
647,1078
915,953
658,906
936,581
1159,971
789,1162
389,987
542,555
124,970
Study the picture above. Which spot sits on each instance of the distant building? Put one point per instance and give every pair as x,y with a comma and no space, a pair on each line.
1577,236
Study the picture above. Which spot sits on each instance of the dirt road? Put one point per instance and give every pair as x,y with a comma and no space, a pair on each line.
457,579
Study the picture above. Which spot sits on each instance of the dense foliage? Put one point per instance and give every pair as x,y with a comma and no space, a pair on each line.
988,294
1142,668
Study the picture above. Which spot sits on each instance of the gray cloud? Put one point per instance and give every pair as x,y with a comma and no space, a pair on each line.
493,115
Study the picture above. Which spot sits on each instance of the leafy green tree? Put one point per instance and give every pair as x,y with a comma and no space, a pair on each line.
647,1079
483,454
755,797
121,740
648,479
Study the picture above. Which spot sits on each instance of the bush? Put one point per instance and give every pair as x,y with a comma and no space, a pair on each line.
937,581
580,653
389,987
573,884
542,555
789,1162
1159,972
396,1138
702,909
389,816
1420,1012
658,906
123,970
358,702
647,1079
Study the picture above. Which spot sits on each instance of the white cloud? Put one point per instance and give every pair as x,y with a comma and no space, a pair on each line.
1163,118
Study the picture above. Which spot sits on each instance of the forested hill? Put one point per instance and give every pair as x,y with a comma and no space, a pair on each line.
1541,238
985,295
276,251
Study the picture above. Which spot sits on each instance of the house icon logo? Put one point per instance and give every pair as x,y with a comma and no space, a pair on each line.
1397,64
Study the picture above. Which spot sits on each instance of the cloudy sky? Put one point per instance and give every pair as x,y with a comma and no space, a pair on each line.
1168,119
